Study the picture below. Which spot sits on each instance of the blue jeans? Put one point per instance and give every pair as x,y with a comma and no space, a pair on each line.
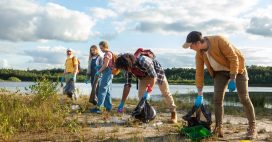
69,88
104,94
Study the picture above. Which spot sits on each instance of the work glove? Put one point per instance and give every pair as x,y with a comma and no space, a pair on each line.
232,85
73,78
147,92
98,74
98,67
146,96
121,107
198,101
61,81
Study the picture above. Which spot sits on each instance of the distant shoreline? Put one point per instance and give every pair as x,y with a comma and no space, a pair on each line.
170,83
259,76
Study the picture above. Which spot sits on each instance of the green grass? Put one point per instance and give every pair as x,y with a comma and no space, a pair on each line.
40,112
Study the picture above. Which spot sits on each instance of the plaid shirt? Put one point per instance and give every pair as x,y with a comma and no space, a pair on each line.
151,67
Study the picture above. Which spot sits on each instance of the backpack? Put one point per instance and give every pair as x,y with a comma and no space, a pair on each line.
114,70
146,52
137,71
141,52
78,64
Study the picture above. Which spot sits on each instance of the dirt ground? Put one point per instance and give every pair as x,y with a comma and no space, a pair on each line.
122,127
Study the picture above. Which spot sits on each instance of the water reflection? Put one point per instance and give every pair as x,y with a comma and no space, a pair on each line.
259,99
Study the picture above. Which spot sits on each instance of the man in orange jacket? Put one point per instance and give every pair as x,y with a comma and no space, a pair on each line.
226,65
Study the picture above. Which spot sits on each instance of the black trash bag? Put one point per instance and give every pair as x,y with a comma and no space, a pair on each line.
69,88
144,111
194,121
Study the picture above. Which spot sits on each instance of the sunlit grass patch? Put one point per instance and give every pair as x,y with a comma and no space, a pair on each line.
39,112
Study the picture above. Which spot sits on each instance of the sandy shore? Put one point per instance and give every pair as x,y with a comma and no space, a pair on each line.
122,127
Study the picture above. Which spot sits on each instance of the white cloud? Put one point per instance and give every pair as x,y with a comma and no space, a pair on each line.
175,17
49,55
25,20
260,26
4,63
122,6
175,57
261,22
255,55
102,13
52,57
5,48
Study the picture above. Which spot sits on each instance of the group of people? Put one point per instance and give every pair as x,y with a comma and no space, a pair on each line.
225,63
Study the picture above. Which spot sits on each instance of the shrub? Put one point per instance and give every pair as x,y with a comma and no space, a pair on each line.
14,79
40,111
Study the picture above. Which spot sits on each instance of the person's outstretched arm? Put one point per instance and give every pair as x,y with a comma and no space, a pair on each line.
126,91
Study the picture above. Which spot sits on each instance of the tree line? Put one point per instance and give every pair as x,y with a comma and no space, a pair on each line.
258,75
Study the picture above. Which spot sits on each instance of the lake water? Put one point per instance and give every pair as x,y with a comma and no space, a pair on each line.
117,89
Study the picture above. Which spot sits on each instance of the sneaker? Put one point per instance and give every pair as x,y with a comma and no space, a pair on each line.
95,110
251,133
218,131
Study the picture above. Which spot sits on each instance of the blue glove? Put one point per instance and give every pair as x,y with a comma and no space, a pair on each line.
73,78
62,79
232,85
98,67
97,73
120,107
146,96
198,100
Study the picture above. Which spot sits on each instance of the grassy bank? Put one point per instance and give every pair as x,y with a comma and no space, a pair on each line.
39,112
48,116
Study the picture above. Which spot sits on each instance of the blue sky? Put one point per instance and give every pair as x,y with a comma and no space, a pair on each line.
35,33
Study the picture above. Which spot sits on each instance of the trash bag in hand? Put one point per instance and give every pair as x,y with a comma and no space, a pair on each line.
144,111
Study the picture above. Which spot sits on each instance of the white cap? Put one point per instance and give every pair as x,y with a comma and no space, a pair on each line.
69,49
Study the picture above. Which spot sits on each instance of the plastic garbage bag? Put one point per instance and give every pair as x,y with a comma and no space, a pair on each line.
196,133
197,129
144,111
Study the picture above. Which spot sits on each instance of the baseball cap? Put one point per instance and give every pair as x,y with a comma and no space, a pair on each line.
69,49
192,37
